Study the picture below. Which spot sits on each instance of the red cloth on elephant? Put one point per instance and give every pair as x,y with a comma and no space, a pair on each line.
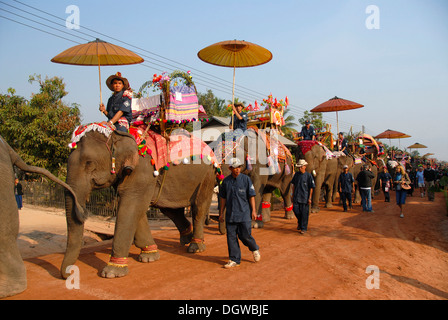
306,145
181,145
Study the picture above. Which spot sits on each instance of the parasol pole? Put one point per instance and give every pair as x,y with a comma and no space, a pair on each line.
233,86
99,75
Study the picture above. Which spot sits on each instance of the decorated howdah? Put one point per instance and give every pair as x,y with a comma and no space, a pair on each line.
167,99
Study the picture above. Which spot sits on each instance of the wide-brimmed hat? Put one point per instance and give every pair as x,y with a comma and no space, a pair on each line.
239,104
119,77
235,163
301,163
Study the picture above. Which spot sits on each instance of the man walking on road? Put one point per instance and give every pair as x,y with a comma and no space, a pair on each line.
346,185
237,195
302,186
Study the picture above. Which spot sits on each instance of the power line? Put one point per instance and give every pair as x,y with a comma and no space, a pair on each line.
206,79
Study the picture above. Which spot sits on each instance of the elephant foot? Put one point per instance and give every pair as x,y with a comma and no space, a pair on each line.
315,209
116,267
149,254
257,224
328,205
13,286
186,236
289,213
196,245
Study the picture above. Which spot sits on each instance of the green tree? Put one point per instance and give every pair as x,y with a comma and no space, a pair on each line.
213,105
290,123
40,129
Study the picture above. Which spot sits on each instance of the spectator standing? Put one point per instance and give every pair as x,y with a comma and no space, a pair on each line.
385,183
18,192
401,180
430,176
364,179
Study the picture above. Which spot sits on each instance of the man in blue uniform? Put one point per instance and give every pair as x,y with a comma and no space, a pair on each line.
118,111
237,195
302,186
346,185
239,117
307,132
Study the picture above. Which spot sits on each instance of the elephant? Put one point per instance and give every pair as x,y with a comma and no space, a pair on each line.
12,269
324,171
134,177
263,174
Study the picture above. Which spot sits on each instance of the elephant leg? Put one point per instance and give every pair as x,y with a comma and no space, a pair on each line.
12,270
181,222
259,188
286,195
316,195
329,196
128,216
75,232
266,206
143,239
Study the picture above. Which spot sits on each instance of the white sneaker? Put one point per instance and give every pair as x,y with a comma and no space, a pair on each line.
401,215
257,255
231,264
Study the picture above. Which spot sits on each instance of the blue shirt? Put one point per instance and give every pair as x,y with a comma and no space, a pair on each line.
240,124
119,102
303,183
307,134
237,192
346,182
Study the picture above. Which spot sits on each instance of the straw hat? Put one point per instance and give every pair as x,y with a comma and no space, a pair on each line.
235,163
301,163
119,77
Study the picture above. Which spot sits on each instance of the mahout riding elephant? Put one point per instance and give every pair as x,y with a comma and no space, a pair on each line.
267,172
139,185
12,269
324,168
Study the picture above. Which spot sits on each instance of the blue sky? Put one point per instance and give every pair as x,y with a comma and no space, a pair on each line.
320,49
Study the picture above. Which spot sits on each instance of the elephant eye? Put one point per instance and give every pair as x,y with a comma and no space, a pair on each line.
90,166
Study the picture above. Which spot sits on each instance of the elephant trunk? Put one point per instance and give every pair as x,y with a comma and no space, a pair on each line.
75,232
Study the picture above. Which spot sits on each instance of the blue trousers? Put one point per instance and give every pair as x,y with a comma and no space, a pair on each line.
302,213
19,201
243,232
346,196
366,199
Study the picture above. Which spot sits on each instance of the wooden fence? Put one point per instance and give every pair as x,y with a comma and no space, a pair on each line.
102,202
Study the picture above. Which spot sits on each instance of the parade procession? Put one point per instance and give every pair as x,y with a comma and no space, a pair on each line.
153,164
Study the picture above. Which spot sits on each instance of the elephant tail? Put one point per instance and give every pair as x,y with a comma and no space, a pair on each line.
80,212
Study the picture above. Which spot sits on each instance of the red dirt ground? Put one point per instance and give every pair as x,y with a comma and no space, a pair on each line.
328,263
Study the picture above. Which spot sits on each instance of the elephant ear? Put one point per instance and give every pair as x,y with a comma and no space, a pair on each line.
125,151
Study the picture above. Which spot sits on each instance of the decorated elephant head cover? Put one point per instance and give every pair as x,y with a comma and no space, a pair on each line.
181,147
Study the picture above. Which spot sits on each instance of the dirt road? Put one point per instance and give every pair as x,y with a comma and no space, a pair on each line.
410,255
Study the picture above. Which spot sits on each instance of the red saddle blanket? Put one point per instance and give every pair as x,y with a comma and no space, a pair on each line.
180,145
306,145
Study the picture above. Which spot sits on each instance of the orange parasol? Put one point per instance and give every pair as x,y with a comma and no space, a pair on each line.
97,53
336,104
235,54
392,134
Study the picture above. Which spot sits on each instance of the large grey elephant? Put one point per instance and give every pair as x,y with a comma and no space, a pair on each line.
182,185
12,269
267,173
323,168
